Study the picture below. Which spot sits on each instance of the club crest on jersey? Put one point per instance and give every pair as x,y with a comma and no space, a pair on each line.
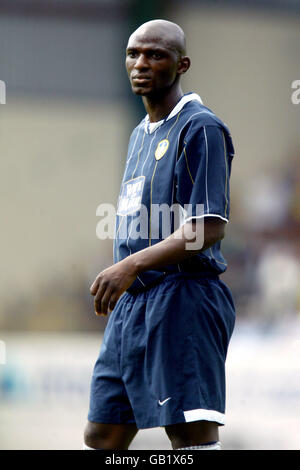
161,149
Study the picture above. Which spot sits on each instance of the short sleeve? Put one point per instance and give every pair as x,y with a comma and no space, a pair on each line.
202,172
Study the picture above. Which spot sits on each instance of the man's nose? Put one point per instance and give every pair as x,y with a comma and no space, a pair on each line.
141,62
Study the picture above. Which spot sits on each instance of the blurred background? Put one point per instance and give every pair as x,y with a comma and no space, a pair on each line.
63,138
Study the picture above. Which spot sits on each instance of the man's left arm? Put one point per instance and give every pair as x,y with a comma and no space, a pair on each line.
202,177
185,242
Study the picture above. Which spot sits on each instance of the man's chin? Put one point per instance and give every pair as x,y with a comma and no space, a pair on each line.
141,91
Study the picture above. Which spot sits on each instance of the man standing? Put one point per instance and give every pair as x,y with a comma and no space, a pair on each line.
162,359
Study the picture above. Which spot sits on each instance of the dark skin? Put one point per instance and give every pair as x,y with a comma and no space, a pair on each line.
155,62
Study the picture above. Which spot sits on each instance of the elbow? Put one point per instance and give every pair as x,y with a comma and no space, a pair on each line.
212,239
221,234
214,232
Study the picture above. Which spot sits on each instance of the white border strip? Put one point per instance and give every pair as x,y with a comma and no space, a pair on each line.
206,170
207,415
206,215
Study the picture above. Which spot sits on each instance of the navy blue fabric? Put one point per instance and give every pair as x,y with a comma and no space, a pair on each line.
168,341
195,169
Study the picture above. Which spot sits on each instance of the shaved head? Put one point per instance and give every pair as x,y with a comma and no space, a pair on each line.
163,32
155,62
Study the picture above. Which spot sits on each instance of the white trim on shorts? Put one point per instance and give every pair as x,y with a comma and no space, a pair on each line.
207,415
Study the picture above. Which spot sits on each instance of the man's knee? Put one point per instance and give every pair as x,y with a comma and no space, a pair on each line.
108,436
192,434
93,435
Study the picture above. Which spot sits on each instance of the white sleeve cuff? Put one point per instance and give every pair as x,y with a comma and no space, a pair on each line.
206,215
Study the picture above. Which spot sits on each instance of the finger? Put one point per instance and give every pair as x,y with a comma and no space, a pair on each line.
113,301
94,286
98,298
105,301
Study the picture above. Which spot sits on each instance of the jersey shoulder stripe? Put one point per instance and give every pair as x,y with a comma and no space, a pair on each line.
195,116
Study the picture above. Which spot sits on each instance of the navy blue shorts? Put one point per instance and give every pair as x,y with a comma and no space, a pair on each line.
162,358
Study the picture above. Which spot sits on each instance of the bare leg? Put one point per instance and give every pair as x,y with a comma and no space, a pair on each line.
192,434
109,436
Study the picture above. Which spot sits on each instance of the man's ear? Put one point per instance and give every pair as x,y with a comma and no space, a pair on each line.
184,64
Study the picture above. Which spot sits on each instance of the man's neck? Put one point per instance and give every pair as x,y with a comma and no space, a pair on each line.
158,107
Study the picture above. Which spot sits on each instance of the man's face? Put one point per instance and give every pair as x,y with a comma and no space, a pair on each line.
152,65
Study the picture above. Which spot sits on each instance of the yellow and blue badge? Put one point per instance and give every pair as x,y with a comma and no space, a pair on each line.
161,149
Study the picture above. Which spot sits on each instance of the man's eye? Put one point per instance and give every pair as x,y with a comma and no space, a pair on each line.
156,55
131,54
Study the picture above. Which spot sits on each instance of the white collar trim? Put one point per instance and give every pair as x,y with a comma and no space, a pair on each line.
152,126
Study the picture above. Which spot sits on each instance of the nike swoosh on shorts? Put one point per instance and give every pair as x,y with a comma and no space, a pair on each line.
161,403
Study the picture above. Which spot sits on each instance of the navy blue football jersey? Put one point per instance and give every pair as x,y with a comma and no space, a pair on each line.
183,161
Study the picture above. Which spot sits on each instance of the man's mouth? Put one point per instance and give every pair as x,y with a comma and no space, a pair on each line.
140,79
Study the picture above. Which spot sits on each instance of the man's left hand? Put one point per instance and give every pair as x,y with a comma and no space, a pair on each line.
110,284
